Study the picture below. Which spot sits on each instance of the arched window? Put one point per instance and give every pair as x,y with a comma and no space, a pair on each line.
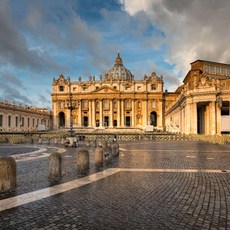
153,119
61,119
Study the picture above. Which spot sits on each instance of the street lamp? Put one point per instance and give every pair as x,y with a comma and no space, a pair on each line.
71,105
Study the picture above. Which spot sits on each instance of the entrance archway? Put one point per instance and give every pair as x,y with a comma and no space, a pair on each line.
115,123
106,121
61,119
128,121
153,118
201,108
85,121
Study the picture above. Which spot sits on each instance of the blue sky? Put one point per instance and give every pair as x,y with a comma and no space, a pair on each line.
41,39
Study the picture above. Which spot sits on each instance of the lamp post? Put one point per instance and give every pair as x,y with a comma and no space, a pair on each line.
71,105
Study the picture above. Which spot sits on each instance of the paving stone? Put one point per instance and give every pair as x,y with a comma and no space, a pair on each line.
132,200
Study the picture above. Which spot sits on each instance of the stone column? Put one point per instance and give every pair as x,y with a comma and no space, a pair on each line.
111,114
213,117
55,117
122,113
90,113
133,113
101,113
194,118
118,113
160,122
144,121
218,119
187,118
93,113
79,113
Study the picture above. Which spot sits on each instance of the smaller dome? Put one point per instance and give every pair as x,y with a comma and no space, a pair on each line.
118,71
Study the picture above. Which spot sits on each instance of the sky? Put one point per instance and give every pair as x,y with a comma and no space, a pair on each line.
41,39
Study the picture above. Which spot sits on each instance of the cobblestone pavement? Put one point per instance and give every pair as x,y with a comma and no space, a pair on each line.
157,185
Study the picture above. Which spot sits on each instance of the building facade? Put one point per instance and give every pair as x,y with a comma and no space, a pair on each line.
203,105
116,100
18,118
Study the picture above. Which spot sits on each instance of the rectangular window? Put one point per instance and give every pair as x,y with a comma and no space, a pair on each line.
223,71
28,122
228,72
153,87
212,69
22,122
1,118
9,121
61,88
33,122
206,68
225,108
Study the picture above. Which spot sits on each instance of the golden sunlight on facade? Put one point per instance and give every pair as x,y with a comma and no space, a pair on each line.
203,106
117,100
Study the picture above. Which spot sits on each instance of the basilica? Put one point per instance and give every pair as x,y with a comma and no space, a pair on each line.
117,100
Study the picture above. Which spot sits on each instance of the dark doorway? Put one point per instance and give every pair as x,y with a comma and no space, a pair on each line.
97,123
114,123
128,121
106,121
225,108
201,119
85,121
61,116
153,119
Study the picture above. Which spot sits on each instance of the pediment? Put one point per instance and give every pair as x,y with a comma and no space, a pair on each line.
105,89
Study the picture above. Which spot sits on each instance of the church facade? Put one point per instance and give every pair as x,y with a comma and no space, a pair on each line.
116,100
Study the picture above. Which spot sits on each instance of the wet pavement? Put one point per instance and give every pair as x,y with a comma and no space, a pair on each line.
152,185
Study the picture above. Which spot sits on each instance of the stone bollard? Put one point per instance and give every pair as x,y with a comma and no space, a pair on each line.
115,149
108,153
82,160
8,174
55,171
99,156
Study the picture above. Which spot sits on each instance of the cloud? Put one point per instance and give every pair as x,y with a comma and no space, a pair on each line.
14,48
193,29
12,88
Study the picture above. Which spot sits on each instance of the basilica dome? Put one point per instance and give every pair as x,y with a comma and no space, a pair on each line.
118,71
